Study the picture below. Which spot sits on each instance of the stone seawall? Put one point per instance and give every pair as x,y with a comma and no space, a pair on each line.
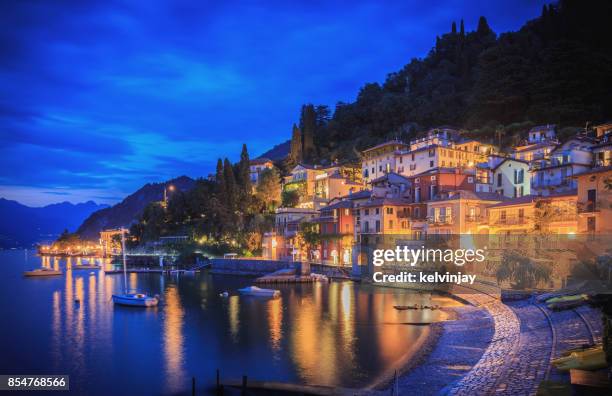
248,266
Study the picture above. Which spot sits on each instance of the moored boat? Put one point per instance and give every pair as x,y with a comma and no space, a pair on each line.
588,359
86,266
135,300
42,272
405,307
257,291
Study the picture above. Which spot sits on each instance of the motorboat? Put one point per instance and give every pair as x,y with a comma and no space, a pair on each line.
588,359
405,307
135,300
132,299
42,272
86,267
259,292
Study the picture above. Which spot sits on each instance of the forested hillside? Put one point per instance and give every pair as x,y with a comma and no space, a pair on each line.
555,69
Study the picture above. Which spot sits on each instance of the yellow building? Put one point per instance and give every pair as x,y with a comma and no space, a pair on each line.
554,214
595,201
109,242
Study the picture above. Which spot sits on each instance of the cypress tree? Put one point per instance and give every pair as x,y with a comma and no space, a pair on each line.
308,126
296,146
244,173
462,29
454,28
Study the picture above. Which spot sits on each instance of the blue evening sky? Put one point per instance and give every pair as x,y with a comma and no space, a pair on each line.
98,98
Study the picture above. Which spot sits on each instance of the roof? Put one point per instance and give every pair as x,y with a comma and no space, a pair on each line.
338,205
540,127
509,159
363,194
385,201
559,166
534,146
525,199
260,160
391,174
437,170
593,171
467,194
387,143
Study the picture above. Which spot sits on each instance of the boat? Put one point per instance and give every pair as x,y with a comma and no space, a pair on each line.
135,300
259,292
563,305
573,297
42,272
132,299
86,267
405,307
588,359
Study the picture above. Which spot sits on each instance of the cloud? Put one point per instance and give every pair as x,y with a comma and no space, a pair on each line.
101,97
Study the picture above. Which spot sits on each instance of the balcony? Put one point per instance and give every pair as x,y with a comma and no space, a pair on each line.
440,220
474,218
511,221
403,215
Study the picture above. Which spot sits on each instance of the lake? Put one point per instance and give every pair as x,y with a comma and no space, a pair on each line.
341,333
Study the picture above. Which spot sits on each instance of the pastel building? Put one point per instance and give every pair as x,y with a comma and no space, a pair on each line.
258,165
380,159
594,200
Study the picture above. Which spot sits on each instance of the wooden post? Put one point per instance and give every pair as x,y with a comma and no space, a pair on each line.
192,386
244,384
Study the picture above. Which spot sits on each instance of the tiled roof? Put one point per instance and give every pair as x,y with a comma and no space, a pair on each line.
385,201
600,169
525,199
388,143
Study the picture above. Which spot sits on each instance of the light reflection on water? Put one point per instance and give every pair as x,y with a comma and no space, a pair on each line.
336,334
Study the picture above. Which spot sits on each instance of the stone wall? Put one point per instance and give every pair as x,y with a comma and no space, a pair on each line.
248,266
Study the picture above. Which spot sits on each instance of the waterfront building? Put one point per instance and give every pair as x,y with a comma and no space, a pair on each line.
554,174
460,212
384,216
541,140
110,241
336,226
282,243
334,182
594,199
256,166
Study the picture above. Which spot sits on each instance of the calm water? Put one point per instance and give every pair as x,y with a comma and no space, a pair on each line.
335,334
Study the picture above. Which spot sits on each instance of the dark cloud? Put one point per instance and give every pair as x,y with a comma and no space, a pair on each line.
108,95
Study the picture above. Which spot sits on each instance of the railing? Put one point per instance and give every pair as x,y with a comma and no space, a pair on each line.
473,218
511,221
440,220
403,215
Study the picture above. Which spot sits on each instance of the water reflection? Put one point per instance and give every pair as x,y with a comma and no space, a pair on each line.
173,339
340,333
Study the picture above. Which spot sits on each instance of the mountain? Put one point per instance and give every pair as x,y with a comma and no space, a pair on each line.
556,69
277,152
23,226
129,210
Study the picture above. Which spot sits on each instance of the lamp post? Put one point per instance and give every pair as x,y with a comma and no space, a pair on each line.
166,189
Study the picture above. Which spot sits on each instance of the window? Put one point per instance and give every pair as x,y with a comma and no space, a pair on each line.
373,170
404,224
367,212
401,159
377,210
443,164
413,157
591,225
366,226
388,168
380,168
417,180
346,228
365,173
432,178
431,164
591,200
470,179
432,153
377,225
347,211
499,180
502,215
417,194
417,213
389,210
521,214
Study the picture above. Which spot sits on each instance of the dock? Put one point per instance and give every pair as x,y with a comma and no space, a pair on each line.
295,389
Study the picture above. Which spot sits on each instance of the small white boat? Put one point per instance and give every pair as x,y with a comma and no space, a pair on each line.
256,291
135,300
132,299
42,272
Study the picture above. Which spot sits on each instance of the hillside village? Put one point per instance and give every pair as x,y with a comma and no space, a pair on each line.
444,184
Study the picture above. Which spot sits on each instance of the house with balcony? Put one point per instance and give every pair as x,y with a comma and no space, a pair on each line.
541,140
594,201
337,229
554,175
258,165
553,214
384,216
459,212
282,243
511,178
380,159
334,182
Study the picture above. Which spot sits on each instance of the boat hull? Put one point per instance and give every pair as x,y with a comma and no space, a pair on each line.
41,273
132,301
257,292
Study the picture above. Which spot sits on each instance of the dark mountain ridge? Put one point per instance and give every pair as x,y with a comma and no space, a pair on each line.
127,211
23,226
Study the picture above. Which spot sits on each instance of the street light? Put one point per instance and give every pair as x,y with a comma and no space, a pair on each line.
166,189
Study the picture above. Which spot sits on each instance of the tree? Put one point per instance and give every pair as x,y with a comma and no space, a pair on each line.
268,188
308,126
244,176
295,154
290,199
519,268
310,235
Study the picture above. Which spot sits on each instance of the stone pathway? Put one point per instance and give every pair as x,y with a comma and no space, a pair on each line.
499,349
